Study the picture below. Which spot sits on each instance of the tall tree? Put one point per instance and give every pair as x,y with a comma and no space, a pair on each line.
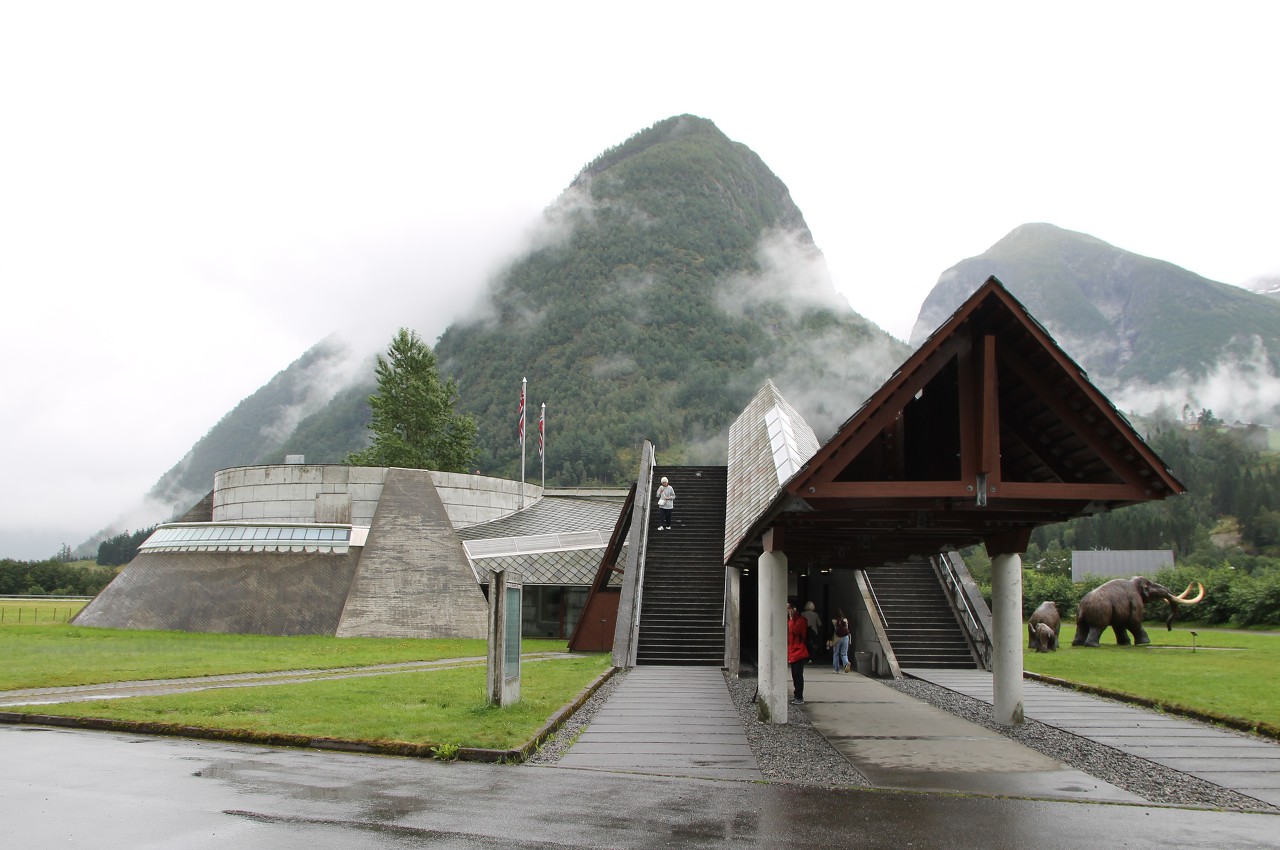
415,424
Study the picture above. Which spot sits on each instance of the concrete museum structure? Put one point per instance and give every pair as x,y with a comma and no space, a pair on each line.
359,551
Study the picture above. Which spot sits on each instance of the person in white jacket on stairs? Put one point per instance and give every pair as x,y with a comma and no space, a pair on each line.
666,503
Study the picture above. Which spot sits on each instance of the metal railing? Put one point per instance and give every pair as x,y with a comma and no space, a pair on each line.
871,589
976,626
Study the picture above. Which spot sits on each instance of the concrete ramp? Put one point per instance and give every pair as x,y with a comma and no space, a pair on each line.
271,593
897,741
413,579
670,721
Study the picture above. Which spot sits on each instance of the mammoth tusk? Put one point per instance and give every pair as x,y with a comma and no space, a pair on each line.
1183,597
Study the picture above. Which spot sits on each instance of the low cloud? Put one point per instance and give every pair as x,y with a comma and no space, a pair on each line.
1241,387
792,274
825,369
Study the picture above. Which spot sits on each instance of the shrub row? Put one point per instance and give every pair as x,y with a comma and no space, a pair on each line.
1231,596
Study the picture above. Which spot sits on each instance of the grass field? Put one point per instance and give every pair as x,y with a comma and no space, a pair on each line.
61,655
14,612
446,707
1230,673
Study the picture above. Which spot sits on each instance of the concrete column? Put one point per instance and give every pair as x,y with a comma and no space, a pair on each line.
771,649
1006,638
733,621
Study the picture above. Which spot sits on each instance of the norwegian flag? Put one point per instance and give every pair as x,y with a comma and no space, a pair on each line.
542,433
520,418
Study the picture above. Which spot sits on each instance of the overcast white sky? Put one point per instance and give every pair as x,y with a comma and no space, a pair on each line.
192,194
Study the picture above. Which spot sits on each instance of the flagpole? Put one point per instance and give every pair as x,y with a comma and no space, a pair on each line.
542,445
524,382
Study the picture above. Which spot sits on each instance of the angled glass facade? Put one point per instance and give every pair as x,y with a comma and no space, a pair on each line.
243,537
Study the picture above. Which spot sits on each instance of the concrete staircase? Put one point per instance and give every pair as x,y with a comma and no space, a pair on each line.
683,596
919,622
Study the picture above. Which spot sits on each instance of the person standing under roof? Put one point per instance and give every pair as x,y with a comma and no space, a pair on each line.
815,628
797,652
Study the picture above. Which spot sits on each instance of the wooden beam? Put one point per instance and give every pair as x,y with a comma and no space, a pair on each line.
1073,418
887,490
989,455
1059,490
827,467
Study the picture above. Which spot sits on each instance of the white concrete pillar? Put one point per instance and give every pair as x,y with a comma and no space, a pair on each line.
771,650
1006,638
733,621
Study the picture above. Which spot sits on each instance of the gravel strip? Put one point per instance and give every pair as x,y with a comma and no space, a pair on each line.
794,752
797,753
562,739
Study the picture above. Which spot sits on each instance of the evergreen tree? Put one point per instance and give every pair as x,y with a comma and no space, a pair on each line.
123,547
414,423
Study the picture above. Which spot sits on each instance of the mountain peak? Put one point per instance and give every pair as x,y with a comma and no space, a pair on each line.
666,130
1129,320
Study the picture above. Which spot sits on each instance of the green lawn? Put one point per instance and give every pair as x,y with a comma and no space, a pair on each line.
16,612
61,655
446,706
425,708
1230,673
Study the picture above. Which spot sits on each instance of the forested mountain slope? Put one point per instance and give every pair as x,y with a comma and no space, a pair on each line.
1127,319
266,425
666,283
670,279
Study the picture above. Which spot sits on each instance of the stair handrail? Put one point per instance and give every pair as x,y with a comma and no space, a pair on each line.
961,589
876,599
627,632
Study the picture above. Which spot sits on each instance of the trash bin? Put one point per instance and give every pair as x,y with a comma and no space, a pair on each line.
863,660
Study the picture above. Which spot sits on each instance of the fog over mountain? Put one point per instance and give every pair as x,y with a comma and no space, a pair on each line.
1268,286
675,273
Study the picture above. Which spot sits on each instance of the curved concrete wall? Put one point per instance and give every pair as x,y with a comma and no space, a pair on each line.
336,493
473,499
291,492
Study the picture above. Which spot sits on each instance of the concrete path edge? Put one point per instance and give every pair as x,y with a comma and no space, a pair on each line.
1261,729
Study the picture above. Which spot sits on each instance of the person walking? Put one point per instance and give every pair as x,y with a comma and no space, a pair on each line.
797,652
815,630
666,503
840,649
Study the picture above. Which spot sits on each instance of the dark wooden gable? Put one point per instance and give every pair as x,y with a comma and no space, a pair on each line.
988,430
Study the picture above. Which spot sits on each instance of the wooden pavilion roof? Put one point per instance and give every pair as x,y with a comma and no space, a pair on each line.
986,432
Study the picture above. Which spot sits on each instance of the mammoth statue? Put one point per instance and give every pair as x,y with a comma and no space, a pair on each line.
1042,637
1119,604
1043,627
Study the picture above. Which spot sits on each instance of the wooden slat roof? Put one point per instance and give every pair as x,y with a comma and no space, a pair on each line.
987,431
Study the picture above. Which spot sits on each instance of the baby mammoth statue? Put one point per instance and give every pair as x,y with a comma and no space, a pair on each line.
1043,627
1120,604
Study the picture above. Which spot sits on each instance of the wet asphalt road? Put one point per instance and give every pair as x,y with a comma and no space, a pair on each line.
69,788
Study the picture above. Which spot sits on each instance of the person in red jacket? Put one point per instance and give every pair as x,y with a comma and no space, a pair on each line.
797,652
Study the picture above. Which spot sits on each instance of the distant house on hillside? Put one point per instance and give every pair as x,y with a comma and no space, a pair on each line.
1123,563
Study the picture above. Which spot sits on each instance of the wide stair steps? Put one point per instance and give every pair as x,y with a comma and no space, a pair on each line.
919,621
682,601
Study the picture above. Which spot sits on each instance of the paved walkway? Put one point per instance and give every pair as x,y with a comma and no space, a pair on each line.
1250,766
672,721
898,741
681,721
